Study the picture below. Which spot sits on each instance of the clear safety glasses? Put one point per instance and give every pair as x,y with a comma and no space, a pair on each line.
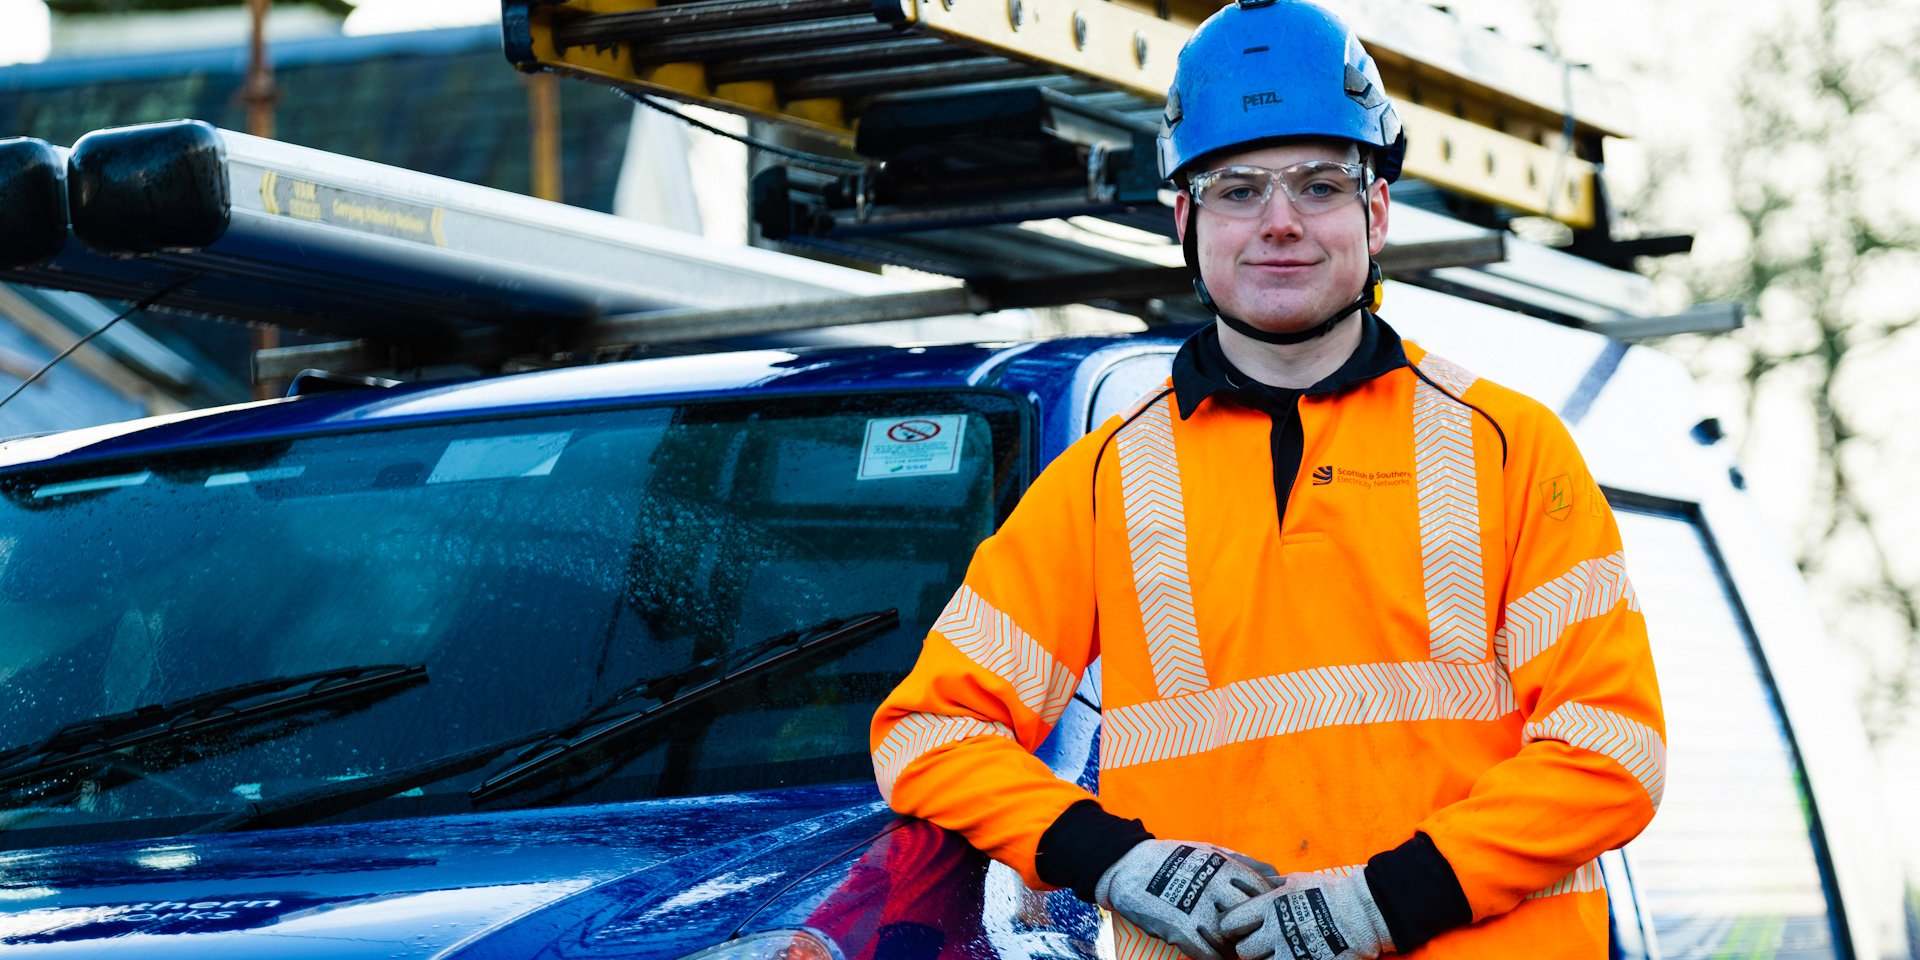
1315,186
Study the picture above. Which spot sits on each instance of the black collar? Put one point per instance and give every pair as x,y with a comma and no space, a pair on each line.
1201,369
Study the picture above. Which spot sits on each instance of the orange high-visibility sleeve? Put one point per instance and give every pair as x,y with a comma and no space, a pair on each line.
1571,637
953,743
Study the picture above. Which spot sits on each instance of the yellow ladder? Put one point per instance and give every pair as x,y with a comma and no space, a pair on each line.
1485,119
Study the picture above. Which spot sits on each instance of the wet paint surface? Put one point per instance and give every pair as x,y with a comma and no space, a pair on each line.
646,880
420,887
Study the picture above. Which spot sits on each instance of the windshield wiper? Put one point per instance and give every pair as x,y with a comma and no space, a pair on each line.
648,702
661,696
85,741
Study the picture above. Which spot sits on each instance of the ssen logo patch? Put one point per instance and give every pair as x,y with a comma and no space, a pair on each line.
1184,876
1327,474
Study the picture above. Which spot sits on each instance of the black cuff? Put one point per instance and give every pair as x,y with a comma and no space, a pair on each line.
1417,892
1082,844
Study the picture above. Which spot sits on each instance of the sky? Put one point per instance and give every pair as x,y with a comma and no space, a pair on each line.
24,24
23,31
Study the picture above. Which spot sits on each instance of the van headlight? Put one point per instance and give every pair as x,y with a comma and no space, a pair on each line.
771,945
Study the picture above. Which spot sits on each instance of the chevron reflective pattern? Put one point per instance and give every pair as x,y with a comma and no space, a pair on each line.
991,639
1306,700
1146,399
1157,538
1629,742
1131,943
917,733
1339,871
1584,879
1446,373
1536,621
1443,474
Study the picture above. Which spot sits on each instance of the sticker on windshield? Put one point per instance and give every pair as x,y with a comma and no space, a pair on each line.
495,458
91,484
911,446
254,476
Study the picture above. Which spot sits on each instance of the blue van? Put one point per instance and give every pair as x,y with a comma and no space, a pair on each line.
579,663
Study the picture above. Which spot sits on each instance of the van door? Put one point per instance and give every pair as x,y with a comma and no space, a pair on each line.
1734,863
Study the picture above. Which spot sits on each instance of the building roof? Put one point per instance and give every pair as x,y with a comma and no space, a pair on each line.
439,101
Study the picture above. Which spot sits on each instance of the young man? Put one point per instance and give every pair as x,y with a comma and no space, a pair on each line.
1361,615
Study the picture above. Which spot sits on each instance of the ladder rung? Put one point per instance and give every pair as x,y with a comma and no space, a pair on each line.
748,41
787,64
695,17
857,83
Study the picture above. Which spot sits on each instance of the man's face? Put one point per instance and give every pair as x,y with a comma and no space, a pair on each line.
1284,271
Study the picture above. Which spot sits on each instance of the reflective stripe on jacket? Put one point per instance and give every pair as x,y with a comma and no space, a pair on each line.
1438,635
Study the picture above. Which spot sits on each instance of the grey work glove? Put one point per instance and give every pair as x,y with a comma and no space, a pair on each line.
1310,916
1267,871
1179,891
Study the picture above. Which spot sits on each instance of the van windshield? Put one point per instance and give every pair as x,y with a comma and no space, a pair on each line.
532,569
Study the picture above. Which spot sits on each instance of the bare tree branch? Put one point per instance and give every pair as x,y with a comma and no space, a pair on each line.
1823,139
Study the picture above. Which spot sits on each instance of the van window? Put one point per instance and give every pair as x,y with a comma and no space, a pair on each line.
538,567
1125,383
1731,865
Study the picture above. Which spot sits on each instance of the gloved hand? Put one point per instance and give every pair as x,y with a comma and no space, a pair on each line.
1179,891
1310,916
1267,871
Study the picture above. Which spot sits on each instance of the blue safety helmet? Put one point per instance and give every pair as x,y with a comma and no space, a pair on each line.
1261,70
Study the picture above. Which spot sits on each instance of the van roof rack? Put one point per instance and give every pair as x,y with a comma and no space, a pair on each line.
1489,120
420,271
965,122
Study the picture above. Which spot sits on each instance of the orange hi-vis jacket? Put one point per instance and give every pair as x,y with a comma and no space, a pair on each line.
1432,634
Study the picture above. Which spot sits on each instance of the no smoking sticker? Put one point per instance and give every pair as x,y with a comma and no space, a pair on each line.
911,447
913,431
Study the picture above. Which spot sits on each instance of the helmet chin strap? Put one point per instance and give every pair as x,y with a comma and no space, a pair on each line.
1369,298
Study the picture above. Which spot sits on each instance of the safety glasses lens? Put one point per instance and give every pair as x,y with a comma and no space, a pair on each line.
1313,187
1235,191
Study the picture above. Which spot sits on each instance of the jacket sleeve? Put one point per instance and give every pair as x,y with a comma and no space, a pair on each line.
1571,637
953,742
